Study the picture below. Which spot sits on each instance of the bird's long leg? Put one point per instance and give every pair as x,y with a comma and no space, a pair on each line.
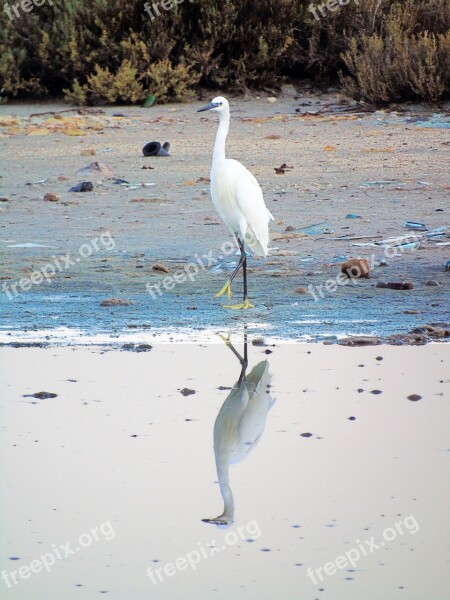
242,359
227,287
246,302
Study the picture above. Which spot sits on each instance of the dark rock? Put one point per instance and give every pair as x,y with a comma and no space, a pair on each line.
414,397
360,341
41,395
115,302
187,392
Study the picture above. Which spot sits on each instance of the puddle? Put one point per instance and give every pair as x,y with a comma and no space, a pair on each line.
315,452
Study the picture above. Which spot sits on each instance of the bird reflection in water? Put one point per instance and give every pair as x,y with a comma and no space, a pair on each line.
240,425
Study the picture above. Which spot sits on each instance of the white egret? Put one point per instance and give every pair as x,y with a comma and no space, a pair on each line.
239,426
238,200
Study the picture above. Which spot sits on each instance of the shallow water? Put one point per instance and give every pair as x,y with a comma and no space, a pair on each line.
123,453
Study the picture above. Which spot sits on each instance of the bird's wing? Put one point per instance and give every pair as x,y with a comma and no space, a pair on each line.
250,200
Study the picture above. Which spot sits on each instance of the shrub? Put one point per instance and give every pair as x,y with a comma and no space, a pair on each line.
399,61
112,51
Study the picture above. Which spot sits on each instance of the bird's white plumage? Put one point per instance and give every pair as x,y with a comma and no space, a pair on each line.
235,193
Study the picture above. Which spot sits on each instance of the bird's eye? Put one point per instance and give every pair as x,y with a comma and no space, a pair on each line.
220,103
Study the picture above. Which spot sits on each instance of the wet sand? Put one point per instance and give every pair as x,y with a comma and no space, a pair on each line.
386,167
122,450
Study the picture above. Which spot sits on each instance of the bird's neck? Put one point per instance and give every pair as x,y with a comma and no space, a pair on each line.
221,136
225,489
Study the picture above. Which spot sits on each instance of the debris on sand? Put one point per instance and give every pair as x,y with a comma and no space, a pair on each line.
281,170
160,268
156,149
414,397
415,226
301,290
84,186
97,168
115,302
356,268
316,229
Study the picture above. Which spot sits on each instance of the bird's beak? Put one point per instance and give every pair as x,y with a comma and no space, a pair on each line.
208,107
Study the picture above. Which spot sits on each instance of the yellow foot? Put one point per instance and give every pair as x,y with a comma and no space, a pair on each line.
243,305
226,288
226,339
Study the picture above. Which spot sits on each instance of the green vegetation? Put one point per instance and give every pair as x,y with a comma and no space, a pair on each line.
97,51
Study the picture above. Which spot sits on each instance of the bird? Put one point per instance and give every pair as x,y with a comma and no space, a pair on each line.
239,201
239,426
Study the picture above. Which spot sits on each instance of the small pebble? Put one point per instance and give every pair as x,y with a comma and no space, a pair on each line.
51,197
414,397
187,392
160,267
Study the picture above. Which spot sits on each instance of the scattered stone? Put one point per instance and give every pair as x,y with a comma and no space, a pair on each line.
361,340
51,197
290,228
4,199
379,358
87,152
307,434
41,395
160,267
356,268
271,100
395,285
259,341
63,178
84,186
187,392
376,392
115,302
414,397
97,168
301,290
352,418
143,348
432,283
410,312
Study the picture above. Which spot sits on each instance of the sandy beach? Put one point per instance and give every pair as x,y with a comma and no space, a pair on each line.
383,168
119,470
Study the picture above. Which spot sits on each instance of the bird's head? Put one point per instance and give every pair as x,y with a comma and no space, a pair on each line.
218,104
